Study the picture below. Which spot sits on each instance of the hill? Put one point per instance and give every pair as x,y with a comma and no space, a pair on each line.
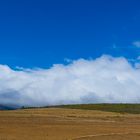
6,107
119,108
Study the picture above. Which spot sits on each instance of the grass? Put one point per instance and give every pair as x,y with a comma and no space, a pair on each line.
119,108
67,124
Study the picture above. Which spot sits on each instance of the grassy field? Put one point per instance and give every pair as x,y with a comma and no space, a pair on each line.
69,124
120,108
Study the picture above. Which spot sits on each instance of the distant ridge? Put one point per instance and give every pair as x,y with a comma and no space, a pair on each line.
118,108
7,107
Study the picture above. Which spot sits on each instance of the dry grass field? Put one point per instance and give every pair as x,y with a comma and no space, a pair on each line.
68,124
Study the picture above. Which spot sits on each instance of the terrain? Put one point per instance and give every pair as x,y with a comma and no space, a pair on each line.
3,107
64,123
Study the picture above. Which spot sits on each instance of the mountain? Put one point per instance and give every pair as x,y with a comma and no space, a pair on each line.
7,107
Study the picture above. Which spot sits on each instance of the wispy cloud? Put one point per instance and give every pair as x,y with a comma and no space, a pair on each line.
136,44
105,80
114,46
138,58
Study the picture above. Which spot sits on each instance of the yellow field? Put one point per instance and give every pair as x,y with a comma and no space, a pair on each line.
68,124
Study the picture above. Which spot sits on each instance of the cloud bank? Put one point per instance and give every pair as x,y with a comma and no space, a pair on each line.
103,80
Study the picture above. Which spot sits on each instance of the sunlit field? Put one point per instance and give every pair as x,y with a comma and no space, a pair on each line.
70,124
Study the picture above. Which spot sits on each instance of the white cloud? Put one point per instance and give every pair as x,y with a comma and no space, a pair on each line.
136,44
105,80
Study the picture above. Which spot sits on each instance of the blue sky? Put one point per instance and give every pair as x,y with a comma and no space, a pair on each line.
40,33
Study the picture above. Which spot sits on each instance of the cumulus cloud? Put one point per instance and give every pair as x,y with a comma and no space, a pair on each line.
103,80
136,44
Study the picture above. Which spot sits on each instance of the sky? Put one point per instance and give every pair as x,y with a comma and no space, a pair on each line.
40,33
69,51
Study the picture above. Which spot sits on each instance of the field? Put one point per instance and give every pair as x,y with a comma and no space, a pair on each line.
84,123
120,108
